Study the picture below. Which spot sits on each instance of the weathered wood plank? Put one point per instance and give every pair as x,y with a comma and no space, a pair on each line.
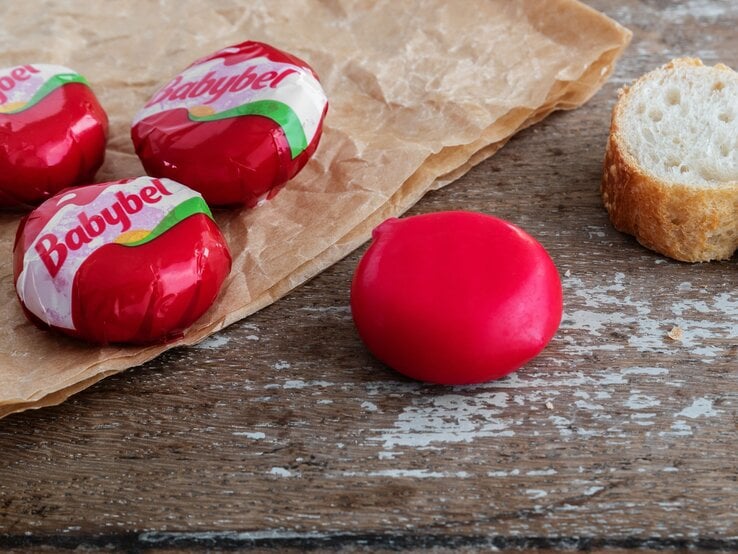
283,426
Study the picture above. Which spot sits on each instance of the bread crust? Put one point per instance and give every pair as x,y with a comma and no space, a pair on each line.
685,222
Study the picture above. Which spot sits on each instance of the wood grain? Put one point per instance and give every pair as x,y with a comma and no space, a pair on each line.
283,433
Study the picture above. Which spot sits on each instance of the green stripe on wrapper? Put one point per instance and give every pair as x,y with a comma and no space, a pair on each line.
279,112
55,82
190,207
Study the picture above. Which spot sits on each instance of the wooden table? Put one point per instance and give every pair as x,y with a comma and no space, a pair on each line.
283,433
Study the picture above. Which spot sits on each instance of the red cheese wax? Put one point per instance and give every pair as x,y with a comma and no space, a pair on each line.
235,125
133,261
455,297
52,133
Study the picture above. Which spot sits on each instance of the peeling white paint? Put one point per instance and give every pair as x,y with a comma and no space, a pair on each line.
254,435
634,315
552,380
678,429
215,536
645,371
541,472
413,473
585,405
449,418
642,422
503,473
701,407
684,286
640,401
387,455
562,424
213,342
299,384
327,309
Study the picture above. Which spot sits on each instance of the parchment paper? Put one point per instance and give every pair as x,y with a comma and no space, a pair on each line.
419,91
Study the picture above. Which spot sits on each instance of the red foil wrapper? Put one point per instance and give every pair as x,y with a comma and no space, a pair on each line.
235,125
52,133
455,297
133,261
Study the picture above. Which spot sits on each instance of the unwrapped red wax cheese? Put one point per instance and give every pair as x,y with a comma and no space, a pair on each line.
455,297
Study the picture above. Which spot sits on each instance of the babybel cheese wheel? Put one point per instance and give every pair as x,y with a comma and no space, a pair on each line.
235,126
52,132
133,261
455,297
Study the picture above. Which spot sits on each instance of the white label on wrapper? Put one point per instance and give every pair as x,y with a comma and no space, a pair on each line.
286,93
129,214
24,86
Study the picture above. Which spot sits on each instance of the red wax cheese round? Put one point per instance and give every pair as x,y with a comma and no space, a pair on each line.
133,261
455,297
235,126
52,132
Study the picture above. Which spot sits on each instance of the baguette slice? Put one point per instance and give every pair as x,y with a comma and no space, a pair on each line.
670,176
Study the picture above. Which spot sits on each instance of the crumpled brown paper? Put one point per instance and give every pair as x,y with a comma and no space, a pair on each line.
419,92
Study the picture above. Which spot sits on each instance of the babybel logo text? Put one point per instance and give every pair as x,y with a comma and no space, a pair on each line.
53,250
215,86
8,82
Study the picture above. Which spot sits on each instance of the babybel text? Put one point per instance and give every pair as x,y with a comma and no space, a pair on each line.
53,250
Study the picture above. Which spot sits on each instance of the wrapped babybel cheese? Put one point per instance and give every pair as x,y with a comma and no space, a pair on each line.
52,132
235,125
132,261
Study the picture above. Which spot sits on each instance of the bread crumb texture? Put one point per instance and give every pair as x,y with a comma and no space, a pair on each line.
670,176
676,333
